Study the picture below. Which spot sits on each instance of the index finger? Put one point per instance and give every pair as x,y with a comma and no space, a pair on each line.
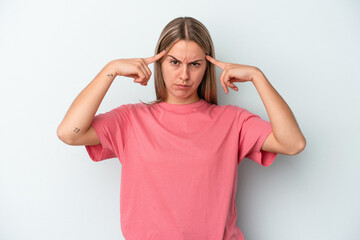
215,62
155,58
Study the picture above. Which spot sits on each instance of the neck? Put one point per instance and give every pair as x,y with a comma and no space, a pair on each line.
182,101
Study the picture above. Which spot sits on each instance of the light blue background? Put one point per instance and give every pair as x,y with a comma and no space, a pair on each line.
50,50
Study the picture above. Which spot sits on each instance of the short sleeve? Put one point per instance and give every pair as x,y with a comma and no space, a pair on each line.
112,130
253,132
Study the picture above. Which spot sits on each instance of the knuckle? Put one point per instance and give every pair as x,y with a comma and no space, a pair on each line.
144,61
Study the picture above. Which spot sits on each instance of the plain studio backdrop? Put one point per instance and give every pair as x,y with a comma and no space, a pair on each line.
50,51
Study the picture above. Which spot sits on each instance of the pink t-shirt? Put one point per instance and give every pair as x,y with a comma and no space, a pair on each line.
180,166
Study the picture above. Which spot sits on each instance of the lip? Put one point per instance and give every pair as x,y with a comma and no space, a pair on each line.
183,86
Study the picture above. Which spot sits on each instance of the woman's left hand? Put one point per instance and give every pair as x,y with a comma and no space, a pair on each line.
233,72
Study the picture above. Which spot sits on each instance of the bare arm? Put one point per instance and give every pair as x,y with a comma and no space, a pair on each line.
75,128
286,137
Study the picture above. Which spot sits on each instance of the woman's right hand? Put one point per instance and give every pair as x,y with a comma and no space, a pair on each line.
136,68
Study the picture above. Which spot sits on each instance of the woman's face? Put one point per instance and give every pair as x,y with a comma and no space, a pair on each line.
183,64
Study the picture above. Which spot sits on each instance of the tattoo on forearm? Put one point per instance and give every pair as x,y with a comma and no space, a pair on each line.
76,130
110,75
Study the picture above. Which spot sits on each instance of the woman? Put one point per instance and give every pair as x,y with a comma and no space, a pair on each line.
180,153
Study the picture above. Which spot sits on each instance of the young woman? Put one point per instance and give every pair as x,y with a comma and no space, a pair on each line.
180,153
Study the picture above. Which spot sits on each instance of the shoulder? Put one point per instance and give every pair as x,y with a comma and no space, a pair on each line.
233,109
129,107
229,111
239,114
242,112
133,109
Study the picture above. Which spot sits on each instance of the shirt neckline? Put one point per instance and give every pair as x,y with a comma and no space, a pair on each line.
183,108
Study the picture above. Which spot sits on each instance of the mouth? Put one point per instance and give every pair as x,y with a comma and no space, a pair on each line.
181,85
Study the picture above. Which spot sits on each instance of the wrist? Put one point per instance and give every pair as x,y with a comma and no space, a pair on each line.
110,69
258,75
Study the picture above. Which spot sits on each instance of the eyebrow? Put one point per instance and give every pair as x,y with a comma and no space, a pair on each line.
180,61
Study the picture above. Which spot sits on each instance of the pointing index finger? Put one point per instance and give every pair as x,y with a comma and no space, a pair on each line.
155,58
215,62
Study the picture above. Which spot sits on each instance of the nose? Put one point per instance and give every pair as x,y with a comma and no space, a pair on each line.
184,72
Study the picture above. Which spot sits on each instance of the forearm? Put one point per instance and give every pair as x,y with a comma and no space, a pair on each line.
285,128
81,113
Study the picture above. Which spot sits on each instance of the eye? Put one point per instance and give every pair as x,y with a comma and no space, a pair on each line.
174,62
195,64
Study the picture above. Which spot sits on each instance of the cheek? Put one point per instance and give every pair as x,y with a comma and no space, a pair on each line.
165,72
168,70
200,73
170,74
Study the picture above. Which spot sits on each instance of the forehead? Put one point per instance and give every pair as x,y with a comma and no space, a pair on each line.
187,50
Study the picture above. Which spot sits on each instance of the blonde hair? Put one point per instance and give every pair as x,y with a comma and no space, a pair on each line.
189,29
